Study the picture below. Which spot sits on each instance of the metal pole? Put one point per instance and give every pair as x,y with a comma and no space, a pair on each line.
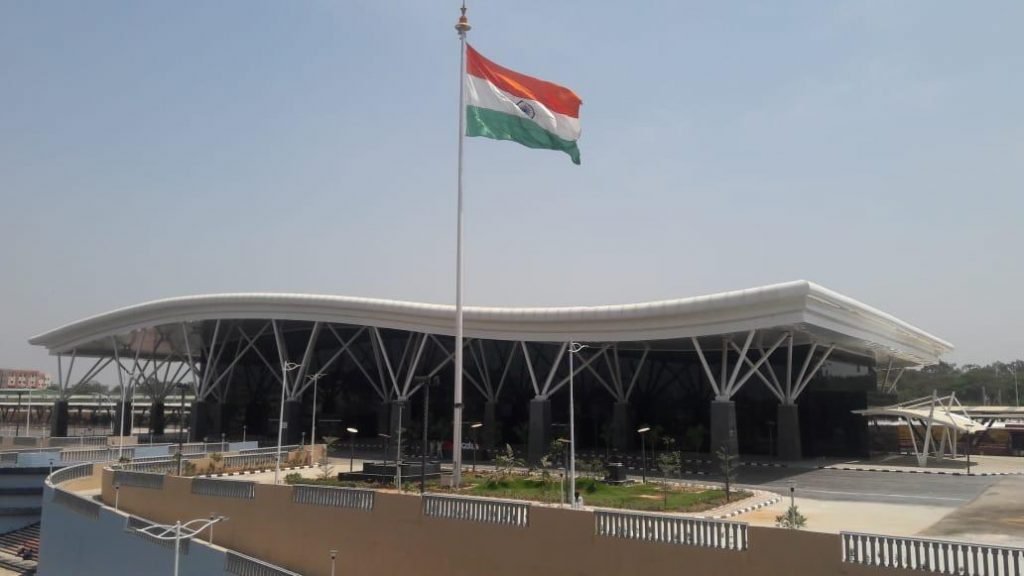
17,423
423,455
352,453
643,457
244,430
177,545
312,432
181,428
462,27
280,425
398,450
573,349
28,415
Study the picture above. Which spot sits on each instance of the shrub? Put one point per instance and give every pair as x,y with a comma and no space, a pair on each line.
792,519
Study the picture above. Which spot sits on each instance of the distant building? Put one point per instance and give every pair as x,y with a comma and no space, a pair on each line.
34,379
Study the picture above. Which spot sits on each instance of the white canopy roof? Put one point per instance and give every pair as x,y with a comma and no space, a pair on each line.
811,312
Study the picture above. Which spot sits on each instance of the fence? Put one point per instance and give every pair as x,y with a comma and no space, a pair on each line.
244,461
671,529
337,497
25,440
269,450
486,510
70,473
153,481
96,454
938,556
223,488
78,441
242,565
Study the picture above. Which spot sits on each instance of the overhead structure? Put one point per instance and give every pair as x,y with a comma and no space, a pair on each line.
783,336
944,413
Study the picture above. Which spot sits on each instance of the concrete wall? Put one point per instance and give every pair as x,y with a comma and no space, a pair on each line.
20,496
397,538
76,543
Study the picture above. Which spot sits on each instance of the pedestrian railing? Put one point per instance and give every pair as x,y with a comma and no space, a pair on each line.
164,466
150,480
78,441
9,459
269,450
487,510
336,497
70,473
250,460
216,447
223,488
668,529
76,503
96,454
242,565
938,556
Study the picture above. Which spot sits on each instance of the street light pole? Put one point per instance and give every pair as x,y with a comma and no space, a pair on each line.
181,426
474,427
285,369
352,449
574,349
179,531
643,452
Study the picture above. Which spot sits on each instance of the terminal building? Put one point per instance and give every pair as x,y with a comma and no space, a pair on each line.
773,370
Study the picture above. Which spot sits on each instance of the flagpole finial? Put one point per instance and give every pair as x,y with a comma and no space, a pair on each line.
462,26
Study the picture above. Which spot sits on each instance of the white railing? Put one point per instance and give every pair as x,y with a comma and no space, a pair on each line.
251,460
95,454
331,496
78,441
151,480
70,473
223,488
242,565
269,450
487,510
136,525
668,529
938,556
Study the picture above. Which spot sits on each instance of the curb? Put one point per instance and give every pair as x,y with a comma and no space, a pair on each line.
261,471
904,471
763,504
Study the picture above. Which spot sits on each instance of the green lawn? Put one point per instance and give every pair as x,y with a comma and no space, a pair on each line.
634,496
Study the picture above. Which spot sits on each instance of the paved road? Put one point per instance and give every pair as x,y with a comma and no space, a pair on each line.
884,487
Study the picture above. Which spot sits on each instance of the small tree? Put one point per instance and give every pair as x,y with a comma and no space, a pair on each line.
792,519
668,460
506,462
728,463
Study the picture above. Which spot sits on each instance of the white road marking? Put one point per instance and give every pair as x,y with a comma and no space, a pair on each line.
870,494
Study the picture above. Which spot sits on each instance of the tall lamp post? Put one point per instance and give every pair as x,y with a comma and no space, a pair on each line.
643,451
312,432
285,369
179,531
181,425
574,349
428,381
352,449
474,427
387,445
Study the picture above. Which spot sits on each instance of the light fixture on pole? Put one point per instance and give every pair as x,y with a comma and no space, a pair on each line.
643,451
286,368
179,531
474,427
574,349
352,449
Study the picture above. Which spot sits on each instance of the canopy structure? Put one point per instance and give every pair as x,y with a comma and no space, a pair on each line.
782,335
931,411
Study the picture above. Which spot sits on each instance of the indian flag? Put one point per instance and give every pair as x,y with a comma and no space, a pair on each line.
507,105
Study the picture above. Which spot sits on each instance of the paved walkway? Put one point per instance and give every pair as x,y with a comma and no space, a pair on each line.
979,466
835,516
995,517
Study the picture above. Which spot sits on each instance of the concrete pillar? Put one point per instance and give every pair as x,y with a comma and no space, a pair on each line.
157,420
59,421
122,417
206,424
293,422
622,432
540,429
491,436
788,417
723,426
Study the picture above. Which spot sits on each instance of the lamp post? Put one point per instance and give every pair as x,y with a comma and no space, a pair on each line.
17,423
387,445
245,428
286,368
117,495
178,531
565,463
352,449
312,432
474,427
574,349
334,554
181,426
1016,392
428,381
643,452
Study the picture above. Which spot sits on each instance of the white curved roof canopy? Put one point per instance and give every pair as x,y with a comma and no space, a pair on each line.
813,313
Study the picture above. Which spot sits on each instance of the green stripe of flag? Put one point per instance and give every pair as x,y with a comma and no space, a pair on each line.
501,126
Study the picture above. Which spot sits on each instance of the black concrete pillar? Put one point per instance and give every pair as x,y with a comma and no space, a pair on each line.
491,436
205,421
157,421
788,417
622,431
540,429
59,421
123,417
293,422
723,426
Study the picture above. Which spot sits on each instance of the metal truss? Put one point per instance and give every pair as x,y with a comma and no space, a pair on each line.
618,388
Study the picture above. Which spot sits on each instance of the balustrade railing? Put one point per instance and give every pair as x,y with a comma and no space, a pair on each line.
668,529
488,510
242,565
150,480
336,497
938,556
223,488
70,473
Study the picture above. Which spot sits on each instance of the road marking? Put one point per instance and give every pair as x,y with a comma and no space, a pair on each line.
871,494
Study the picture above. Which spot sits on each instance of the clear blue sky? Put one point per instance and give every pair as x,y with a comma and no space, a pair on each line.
156,149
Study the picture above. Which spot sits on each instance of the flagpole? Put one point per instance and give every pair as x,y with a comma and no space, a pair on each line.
461,27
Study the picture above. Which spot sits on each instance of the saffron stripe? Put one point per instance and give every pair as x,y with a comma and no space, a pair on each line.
556,98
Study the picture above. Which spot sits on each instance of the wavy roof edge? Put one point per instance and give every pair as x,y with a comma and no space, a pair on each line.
789,303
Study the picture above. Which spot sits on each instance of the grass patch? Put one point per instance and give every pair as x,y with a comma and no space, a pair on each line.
651,496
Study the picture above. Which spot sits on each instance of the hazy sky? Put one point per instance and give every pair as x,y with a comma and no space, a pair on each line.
156,149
